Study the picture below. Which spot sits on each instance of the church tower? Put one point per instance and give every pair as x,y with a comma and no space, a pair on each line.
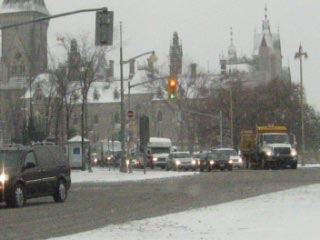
267,52
23,57
175,56
24,48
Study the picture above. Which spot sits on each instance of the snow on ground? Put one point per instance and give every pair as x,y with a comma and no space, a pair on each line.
292,214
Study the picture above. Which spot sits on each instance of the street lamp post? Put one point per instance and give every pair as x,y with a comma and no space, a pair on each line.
299,56
123,167
122,117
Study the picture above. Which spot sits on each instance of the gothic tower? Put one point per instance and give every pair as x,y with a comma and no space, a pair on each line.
24,48
267,52
175,56
23,57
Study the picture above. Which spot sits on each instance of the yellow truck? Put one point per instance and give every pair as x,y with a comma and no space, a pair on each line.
268,147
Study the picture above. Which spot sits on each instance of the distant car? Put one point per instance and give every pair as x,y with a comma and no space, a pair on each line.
34,171
137,162
233,155
181,160
215,159
95,159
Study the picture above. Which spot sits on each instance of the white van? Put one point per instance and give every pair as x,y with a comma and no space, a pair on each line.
158,150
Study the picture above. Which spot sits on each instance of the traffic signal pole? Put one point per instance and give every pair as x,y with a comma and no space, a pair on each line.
51,17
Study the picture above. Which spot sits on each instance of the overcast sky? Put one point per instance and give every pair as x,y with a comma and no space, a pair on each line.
204,29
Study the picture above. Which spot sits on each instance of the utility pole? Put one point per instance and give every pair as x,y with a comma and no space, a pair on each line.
231,116
122,117
299,56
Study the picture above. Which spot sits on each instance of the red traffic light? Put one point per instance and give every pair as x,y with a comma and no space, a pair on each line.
172,82
172,89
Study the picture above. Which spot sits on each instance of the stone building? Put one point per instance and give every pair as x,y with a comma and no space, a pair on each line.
264,65
23,57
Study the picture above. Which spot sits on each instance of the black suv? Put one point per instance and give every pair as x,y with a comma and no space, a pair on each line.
216,159
34,171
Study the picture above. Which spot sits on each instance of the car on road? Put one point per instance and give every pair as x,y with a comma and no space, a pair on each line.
181,160
215,159
234,156
33,171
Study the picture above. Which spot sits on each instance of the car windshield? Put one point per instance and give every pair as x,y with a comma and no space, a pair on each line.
160,150
181,155
276,138
212,156
229,152
10,158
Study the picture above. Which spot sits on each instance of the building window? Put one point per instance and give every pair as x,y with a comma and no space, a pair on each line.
96,95
116,118
116,94
159,116
95,119
22,69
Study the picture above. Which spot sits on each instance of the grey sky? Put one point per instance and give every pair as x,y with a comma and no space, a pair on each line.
204,29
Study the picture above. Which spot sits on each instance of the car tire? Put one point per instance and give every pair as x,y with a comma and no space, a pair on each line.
17,197
167,167
294,165
61,192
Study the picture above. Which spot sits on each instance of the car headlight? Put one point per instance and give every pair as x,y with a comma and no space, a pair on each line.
268,153
3,178
193,162
154,159
294,153
211,162
230,161
178,162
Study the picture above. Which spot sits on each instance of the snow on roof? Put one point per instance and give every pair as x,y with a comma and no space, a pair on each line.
24,6
270,39
159,140
103,92
76,139
140,77
47,83
241,67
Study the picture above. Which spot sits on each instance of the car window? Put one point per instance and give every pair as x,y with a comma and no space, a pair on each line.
30,158
10,158
212,155
181,155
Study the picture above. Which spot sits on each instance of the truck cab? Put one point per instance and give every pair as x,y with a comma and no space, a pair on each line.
268,147
158,150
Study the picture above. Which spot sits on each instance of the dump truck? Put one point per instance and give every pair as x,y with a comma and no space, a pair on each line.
268,147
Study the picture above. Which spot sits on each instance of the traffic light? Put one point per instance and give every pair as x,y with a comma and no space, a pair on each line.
131,69
172,89
144,132
104,27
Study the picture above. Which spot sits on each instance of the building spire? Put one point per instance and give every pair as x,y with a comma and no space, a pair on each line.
265,22
232,52
266,12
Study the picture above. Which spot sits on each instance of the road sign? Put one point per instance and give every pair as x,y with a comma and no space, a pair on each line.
130,114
